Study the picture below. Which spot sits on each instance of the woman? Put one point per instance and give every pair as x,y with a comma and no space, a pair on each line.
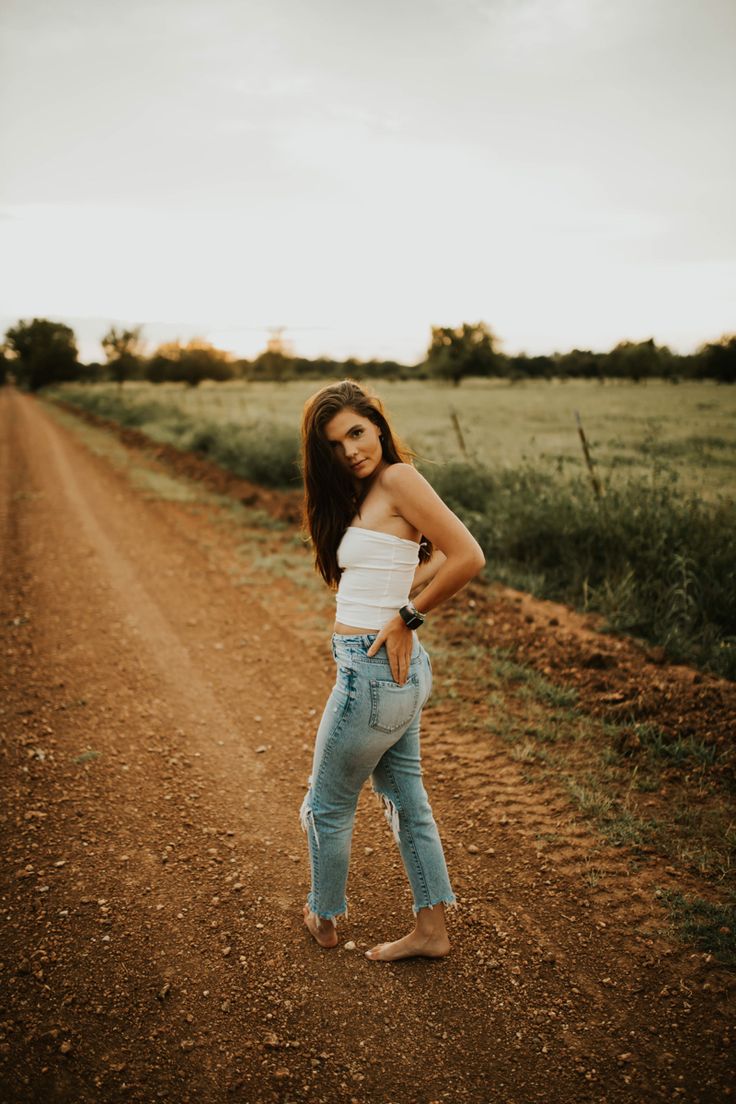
381,535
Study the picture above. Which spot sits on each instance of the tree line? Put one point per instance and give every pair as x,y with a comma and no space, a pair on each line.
40,352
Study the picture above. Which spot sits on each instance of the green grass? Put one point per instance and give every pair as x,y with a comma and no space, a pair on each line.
159,485
675,750
506,424
712,927
264,453
528,751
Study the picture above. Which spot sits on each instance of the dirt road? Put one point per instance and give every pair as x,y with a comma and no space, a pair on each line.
156,727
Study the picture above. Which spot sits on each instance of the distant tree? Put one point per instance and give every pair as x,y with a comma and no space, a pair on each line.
273,365
93,372
460,351
686,366
311,369
379,369
580,364
277,361
43,352
124,353
636,360
191,363
535,367
242,368
717,360
163,364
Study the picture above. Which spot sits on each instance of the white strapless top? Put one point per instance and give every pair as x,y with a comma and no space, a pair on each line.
377,573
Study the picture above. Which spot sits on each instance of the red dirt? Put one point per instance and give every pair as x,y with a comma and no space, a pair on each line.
155,735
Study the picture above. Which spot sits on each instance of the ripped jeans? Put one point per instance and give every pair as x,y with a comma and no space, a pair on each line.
370,727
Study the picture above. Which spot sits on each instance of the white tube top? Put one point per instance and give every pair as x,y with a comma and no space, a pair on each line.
377,573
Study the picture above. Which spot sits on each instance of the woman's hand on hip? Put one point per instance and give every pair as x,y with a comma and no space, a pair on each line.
399,641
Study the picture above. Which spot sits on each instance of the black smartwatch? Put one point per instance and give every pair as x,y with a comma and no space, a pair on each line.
411,616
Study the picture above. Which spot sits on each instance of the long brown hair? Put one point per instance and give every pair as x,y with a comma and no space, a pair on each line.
331,499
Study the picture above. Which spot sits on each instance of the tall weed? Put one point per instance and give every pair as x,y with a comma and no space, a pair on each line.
656,561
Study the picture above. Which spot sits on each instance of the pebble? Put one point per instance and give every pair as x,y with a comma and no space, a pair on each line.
473,848
187,1044
260,750
350,945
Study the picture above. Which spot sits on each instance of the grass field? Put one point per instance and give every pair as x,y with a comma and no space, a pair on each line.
689,429
654,553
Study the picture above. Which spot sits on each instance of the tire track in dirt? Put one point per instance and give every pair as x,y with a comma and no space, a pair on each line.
185,676
140,608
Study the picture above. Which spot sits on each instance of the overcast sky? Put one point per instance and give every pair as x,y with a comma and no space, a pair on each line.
359,170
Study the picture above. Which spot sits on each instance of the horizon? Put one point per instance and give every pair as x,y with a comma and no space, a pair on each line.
171,332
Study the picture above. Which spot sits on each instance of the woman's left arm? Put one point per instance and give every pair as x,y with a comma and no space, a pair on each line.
426,571
416,501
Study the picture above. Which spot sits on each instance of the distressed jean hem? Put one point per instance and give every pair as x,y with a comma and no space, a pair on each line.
448,902
333,916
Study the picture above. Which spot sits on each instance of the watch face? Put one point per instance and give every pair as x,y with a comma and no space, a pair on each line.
411,617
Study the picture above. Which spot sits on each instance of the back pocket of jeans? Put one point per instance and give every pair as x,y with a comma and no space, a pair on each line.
393,705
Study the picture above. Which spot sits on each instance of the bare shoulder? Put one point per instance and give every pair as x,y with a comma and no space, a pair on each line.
403,484
415,499
409,492
400,477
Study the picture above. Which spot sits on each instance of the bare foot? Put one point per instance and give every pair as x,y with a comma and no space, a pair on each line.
324,931
427,946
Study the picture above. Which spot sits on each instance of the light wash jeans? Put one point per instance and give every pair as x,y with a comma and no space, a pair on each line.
370,727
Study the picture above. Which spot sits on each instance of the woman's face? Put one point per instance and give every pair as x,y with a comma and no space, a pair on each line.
356,443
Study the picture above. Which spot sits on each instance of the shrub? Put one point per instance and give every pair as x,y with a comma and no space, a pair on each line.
655,561
266,454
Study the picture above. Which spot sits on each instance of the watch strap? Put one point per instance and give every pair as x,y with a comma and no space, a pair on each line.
411,616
